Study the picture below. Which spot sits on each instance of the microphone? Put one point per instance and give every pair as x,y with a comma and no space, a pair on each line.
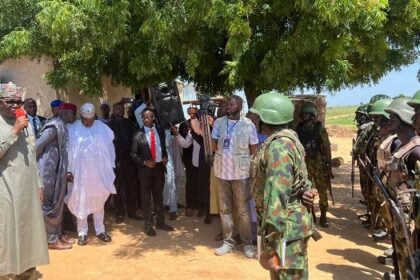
19,112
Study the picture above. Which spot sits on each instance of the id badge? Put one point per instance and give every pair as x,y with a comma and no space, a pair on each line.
226,143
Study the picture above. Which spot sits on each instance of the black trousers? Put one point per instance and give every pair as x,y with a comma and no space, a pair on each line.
204,186
127,188
152,181
191,185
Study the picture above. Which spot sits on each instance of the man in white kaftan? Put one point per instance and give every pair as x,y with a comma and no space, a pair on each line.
91,161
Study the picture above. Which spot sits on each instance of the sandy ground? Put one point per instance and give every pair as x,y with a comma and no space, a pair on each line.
345,252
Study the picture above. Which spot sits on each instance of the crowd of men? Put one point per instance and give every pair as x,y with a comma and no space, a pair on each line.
263,172
387,150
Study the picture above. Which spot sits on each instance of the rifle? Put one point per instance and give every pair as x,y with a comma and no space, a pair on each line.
396,210
353,160
327,167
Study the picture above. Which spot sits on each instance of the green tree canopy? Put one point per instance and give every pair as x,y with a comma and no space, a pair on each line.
220,45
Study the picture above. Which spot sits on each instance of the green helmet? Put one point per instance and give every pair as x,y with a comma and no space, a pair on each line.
378,108
400,107
377,97
273,108
415,100
362,109
309,108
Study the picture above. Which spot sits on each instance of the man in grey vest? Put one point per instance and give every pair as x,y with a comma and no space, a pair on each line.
235,139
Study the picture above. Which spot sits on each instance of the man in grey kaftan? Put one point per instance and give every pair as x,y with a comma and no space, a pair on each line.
23,243
52,155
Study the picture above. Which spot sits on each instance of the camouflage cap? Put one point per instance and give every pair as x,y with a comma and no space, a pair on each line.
10,90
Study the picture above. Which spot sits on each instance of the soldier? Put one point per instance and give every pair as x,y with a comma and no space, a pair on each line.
281,188
415,103
362,116
400,177
366,139
388,142
314,137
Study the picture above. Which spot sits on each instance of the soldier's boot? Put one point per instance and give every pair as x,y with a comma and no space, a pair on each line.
389,276
386,260
380,235
323,219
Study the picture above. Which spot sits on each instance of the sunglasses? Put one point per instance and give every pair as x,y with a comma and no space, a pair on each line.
13,102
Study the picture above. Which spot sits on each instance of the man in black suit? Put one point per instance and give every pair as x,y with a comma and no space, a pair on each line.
148,151
125,171
37,122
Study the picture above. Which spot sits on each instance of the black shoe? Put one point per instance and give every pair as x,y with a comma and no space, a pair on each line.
164,227
104,237
367,225
200,214
323,222
363,202
136,217
172,216
389,276
380,235
385,260
119,219
207,219
150,231
82,240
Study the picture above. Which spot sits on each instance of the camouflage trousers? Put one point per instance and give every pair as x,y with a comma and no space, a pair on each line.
318,175
364,181
402,251
296,256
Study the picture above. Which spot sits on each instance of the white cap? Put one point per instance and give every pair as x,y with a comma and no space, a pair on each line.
87,110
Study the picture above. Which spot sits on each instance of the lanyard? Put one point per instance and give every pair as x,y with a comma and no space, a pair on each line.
227,127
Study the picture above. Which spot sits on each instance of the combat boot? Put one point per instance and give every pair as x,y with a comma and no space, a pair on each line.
323,220
389,276
380,235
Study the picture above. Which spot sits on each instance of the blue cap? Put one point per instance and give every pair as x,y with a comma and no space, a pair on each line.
56,103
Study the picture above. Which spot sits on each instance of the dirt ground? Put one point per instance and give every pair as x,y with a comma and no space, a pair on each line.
345,252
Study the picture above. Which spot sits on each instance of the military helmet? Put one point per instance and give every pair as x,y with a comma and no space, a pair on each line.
362,109
273,108
309,108
378,108
415,100
400,107
377,97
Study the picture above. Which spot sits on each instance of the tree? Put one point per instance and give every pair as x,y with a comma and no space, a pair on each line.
220,45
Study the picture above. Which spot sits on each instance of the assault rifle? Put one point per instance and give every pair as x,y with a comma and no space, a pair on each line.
397,213
326,164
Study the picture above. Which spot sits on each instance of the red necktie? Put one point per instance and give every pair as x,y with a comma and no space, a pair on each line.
152,144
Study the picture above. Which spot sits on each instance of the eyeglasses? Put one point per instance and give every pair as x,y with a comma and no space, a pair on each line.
13,102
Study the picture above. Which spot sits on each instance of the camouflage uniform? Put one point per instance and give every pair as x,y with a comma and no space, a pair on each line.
400,180
314,139
416,214
364,135
384,156
279,178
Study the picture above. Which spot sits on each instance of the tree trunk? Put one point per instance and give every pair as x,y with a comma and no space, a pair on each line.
251,94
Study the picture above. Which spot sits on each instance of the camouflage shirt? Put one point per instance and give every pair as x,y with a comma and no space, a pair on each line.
363,137
279,178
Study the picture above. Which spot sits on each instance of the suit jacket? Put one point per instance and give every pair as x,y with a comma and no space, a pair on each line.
140,149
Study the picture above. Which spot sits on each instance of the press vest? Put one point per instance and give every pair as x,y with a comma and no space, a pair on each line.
240,144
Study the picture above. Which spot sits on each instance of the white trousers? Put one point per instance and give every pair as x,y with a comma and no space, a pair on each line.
98,220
